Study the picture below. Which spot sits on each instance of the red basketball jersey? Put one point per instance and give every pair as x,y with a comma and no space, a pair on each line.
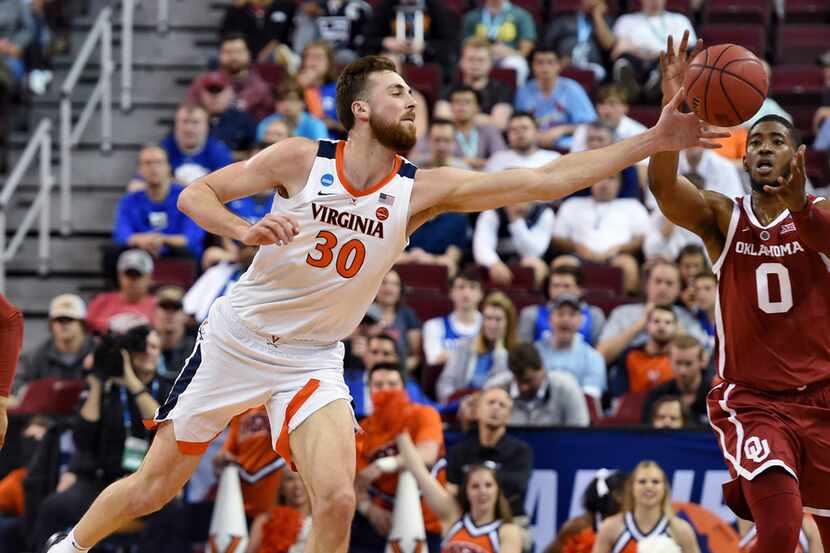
773,304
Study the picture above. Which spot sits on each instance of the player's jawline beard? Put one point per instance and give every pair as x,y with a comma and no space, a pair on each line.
759,188
393,136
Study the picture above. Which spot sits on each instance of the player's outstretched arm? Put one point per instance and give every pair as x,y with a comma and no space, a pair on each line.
285,164
450,189
679,200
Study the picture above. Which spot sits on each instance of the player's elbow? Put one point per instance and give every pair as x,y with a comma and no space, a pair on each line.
187,199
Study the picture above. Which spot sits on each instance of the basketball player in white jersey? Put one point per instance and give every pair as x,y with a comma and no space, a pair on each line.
341,217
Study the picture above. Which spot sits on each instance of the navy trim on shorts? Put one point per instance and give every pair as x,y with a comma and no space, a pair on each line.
182,382
407,170
326,149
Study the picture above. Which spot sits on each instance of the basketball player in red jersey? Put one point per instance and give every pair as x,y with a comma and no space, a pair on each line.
771,413
11,340
340,220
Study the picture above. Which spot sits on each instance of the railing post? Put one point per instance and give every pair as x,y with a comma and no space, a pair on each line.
66,167
163,16
44,238
106,90
127,16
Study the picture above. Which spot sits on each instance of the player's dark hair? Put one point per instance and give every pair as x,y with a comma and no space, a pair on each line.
795,136
393,367
351,86
523,358
604,499
461,89
503,511
524,114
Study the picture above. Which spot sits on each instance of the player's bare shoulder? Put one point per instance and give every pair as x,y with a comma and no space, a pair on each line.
288,162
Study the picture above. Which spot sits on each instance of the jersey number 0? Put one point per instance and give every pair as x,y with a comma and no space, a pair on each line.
350,257
762,278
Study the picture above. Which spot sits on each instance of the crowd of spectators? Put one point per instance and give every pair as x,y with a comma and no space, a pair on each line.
593,310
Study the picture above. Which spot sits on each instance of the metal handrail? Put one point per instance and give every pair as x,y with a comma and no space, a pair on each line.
102,93
127,24
40,142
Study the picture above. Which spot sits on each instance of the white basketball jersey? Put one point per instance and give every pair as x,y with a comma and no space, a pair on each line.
318,287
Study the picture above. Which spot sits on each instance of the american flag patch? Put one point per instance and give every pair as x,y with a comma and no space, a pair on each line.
387,199
789,227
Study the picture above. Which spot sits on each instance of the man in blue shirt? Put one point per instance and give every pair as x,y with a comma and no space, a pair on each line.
567,351
149,219
559,104
192,153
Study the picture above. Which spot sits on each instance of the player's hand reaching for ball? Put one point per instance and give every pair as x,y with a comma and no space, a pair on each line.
791,191
673,65
271,229
677,131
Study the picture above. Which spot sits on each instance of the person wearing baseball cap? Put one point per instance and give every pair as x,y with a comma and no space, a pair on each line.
62,354
170,321
565,349
132,300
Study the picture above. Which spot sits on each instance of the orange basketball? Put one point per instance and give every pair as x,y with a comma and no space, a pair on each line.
726,85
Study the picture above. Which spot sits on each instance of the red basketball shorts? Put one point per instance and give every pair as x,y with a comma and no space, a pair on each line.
760,430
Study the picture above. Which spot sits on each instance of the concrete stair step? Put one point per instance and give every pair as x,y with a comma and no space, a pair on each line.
91,168
33,293
76,254
93,211
192,47
158,85
139,126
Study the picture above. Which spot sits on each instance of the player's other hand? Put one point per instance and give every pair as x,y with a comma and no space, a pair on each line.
674,64
271,229
792,190
677,131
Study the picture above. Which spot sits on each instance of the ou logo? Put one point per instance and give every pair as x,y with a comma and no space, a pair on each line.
756,449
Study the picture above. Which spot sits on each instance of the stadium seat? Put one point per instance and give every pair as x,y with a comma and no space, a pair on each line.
504,75
807,11
797,84
679,6
583,76
801,43
818,167
50,396
426,79
753,37
270,72
429,378
594,409
803,120
737,11
522,298
179,271
603,277
418,275
428,304
629,410
606,302
523,279
647,115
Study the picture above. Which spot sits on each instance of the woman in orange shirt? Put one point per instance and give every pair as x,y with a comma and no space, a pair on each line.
478,520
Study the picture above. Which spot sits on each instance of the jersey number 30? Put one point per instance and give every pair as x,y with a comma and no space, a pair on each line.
762,278
350,257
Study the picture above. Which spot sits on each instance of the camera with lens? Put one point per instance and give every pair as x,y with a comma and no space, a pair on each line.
107,360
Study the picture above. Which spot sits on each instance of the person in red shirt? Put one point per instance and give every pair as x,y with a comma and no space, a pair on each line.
377,484
132,303
11,340
771,412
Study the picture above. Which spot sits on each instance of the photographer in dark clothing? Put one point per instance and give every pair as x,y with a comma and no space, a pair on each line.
109,434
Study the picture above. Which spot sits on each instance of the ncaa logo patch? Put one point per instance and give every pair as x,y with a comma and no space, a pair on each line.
327,179
764,235
382,213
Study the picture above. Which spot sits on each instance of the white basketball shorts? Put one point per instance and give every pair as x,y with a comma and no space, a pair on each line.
233,369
